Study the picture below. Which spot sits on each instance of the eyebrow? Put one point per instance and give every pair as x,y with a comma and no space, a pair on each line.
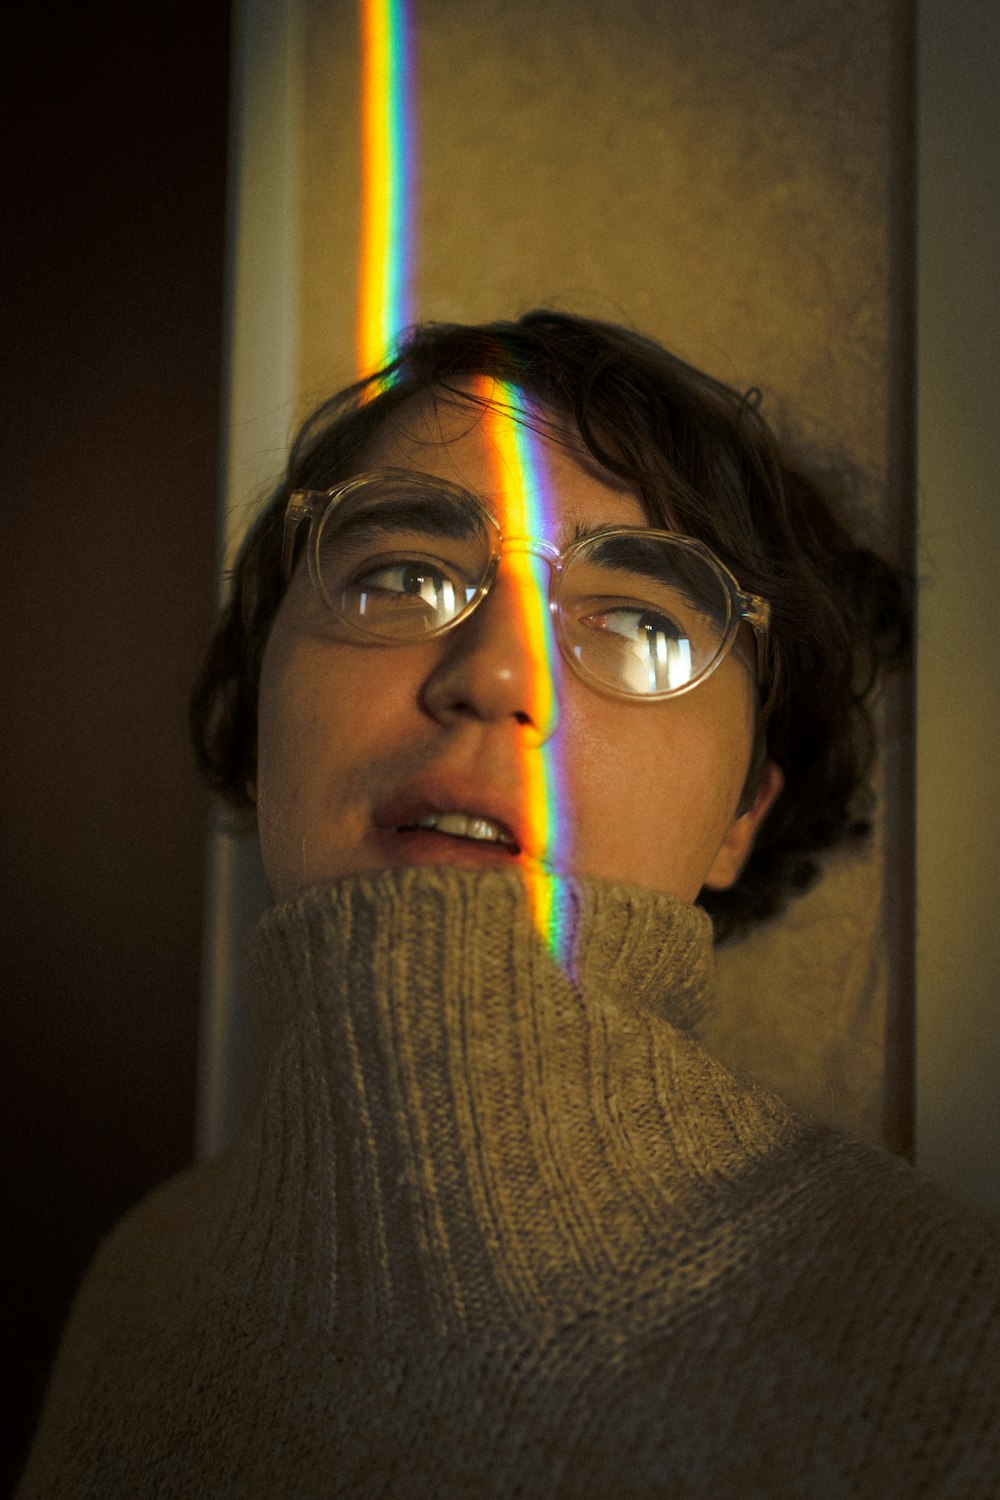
579,531
633,548
440,517
638,556
633,553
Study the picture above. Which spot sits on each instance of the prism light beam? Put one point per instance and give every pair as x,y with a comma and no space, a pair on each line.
523,512
387,185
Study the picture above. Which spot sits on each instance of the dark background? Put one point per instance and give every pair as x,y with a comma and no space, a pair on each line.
114,155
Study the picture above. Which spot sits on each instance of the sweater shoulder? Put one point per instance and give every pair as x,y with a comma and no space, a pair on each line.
146,1264
164,1226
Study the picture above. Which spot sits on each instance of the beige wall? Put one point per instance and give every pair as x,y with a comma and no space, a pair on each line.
716,174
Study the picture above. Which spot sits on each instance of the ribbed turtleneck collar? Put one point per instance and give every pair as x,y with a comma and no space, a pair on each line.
465,930
459,1126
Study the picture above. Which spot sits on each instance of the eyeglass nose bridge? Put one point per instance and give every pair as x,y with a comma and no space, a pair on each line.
536,545
531,546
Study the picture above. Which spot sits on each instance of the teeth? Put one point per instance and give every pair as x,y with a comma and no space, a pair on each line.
465,826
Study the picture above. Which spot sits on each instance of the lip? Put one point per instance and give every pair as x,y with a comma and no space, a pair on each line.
453,794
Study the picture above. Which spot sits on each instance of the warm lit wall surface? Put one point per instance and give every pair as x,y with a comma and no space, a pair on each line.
728,178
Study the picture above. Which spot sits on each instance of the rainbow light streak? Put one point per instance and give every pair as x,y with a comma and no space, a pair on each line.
521,500
387,138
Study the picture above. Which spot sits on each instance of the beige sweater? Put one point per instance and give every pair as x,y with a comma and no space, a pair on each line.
501,1232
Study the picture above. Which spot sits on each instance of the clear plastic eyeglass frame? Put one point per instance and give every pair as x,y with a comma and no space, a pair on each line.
314,507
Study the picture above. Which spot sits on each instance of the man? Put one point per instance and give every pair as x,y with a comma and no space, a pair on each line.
539,651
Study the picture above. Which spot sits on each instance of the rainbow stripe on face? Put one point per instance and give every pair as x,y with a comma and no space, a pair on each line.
523,508
387,142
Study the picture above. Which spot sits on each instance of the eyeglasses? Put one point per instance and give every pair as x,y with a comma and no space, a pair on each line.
401,558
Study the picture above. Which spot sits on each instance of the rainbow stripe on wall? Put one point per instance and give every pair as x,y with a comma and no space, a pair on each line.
387,179
523,511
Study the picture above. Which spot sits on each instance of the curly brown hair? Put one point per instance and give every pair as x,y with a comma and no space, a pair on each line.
703,461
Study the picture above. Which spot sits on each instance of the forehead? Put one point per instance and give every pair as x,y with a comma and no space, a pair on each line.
452,437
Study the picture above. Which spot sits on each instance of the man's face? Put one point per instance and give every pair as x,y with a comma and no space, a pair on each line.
358,742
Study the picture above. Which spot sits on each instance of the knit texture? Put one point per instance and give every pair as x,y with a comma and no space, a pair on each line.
502,1227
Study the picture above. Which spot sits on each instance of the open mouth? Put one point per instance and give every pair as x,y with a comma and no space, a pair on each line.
471,827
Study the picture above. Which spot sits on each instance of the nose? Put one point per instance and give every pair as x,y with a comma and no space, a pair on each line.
501,663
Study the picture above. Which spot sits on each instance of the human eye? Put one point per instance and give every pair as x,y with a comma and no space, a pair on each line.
635,623
405,583
646,649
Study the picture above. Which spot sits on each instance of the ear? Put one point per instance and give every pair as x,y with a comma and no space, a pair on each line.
736,847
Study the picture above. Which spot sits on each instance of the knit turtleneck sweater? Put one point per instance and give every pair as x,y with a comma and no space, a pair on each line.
502,1227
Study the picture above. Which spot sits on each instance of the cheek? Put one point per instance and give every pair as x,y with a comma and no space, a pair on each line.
330,715
298,709
293,710
650,792
321,705
312,747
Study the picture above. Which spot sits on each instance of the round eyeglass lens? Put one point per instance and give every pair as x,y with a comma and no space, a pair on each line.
399,560
643,614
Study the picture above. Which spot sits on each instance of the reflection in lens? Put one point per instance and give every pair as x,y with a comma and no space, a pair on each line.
400,590
659,663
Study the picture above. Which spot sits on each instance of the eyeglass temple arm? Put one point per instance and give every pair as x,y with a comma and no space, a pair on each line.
299,509
757,613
